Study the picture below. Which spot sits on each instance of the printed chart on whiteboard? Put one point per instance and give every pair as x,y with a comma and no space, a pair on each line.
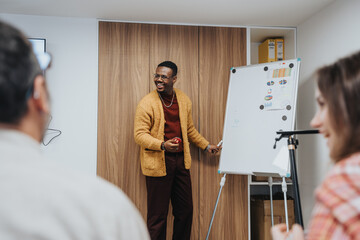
279,89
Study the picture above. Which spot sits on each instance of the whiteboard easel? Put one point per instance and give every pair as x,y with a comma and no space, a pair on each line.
261,100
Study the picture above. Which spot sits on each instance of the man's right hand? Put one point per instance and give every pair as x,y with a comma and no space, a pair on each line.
171,145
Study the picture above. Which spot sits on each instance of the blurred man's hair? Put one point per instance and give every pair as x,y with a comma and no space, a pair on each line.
18,69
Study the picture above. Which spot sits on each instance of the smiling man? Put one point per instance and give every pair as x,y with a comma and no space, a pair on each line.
164,128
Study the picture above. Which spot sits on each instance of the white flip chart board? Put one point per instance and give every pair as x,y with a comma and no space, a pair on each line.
261,100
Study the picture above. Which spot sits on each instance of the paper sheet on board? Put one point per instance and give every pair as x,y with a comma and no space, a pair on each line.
282,161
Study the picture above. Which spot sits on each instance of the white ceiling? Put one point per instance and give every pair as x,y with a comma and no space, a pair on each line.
202,12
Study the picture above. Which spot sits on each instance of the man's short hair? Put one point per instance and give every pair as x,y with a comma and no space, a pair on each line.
171,65
18,69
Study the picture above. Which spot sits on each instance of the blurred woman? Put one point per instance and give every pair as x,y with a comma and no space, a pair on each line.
336,214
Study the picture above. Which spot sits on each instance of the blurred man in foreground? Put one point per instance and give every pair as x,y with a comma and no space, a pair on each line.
39,199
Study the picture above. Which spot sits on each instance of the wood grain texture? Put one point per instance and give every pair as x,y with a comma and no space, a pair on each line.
123,81
219,50
180,45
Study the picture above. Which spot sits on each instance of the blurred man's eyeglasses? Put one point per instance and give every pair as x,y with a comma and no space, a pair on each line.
164,77
44,60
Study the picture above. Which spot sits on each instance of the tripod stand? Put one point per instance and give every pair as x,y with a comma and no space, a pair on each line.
292,145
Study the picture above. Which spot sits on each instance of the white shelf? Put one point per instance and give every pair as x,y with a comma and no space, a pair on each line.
267,184
255,36
258,34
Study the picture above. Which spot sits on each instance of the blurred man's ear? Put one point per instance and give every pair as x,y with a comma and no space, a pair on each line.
40,94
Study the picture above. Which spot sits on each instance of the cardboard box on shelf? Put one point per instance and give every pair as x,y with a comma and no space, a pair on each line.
261,217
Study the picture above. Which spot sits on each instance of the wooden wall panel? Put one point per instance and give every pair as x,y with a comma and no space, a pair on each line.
128,55
180,45
123,81
219,50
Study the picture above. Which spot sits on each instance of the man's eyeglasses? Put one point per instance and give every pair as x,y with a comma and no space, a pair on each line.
44,60
164,77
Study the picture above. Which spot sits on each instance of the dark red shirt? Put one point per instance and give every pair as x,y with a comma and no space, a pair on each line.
172,119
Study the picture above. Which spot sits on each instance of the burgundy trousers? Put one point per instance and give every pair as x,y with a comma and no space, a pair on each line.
175,186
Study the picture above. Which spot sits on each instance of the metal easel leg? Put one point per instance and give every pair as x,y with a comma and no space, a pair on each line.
270,181
222,183
284,189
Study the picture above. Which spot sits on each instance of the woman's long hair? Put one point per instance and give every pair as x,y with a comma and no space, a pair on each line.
339,84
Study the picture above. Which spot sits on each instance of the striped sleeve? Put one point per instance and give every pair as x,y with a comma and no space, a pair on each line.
337,211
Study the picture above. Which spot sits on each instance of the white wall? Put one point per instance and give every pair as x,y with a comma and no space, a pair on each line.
73,85
328,35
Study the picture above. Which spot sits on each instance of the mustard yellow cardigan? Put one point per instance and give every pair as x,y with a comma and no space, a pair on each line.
149,132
